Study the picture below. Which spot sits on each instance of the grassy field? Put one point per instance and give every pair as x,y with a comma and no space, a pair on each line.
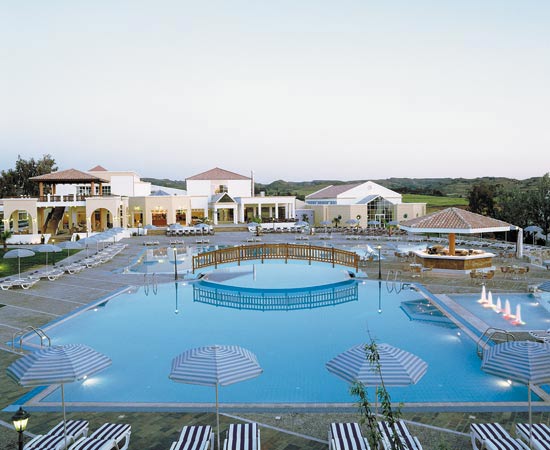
434,203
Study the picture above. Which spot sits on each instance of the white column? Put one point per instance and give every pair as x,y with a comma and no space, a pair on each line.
215,215
276,211
235,215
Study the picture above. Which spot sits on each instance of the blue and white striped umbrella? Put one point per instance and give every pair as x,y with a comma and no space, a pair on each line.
398,367
526,362
216,365
57,365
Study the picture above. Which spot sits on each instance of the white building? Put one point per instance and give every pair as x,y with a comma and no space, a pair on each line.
368,202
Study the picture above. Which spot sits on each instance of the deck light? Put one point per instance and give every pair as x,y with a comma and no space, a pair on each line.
20,420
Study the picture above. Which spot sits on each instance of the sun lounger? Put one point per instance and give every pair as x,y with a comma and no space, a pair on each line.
540,435
242,436
346,436
71,269
24,283
107,437
492,436
409,441
542,336
55,438
195,438
50,274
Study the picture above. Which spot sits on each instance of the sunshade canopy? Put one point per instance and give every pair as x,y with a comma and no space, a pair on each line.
455,220
398,367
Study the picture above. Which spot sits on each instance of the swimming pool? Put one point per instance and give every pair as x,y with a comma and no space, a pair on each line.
141,331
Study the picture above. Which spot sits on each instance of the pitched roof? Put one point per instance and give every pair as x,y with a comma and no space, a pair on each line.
332,191
98,169
218,174
69,176
455,220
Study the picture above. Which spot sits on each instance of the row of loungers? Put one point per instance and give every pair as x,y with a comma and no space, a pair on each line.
492,436
201,437
53,273
110,436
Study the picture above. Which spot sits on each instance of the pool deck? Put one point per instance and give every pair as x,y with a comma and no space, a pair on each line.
285,429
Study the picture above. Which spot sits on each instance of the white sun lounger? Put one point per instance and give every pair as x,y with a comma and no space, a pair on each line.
540,435
198,437
71,269
346,436
50,274
242,436
55,438
543,336
409,441
492,436
24,283
107,437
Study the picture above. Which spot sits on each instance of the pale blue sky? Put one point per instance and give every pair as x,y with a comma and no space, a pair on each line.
294,90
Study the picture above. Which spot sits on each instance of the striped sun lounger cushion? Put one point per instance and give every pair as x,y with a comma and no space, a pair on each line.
541,432
493,436
504,443
242,436
409,441
75,428
193,438
94,444
347,436
116,431
47,441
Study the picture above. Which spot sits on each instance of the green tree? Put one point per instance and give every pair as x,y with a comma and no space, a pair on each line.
512,207
16,182
481,199
390,414
4,236
539,204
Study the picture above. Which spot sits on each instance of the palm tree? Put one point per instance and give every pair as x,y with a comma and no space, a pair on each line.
337,220
4,236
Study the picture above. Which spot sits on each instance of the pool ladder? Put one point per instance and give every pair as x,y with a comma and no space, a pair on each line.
493,334
150,283
38,331
392,284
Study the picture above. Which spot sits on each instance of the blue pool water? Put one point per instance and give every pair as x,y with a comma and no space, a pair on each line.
142,334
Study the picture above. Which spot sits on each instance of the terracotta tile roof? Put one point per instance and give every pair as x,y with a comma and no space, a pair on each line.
454,220
98,169
68,176
218,174
332,191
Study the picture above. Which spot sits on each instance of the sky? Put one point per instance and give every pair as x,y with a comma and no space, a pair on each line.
295,90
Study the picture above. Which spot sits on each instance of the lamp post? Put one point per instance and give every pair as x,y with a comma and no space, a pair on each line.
20,420
379,297
379,263
175,263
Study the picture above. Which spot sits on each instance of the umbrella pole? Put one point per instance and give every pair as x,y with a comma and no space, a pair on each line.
64,417
217,417
530,417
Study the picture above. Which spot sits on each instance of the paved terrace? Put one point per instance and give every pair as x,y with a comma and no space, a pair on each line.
47,301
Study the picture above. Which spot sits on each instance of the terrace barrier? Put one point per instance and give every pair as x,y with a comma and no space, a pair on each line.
276,251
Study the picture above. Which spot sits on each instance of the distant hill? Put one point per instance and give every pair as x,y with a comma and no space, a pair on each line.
435,187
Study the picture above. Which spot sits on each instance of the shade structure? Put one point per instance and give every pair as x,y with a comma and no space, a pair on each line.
18,253
47,248
216,365
326,222
352,221
301,223
398,367
526,362
533,229
70,245
58,365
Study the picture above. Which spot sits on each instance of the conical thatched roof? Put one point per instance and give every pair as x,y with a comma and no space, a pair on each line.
455,220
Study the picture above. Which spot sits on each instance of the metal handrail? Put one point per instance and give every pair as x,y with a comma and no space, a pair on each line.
38,331
489,334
